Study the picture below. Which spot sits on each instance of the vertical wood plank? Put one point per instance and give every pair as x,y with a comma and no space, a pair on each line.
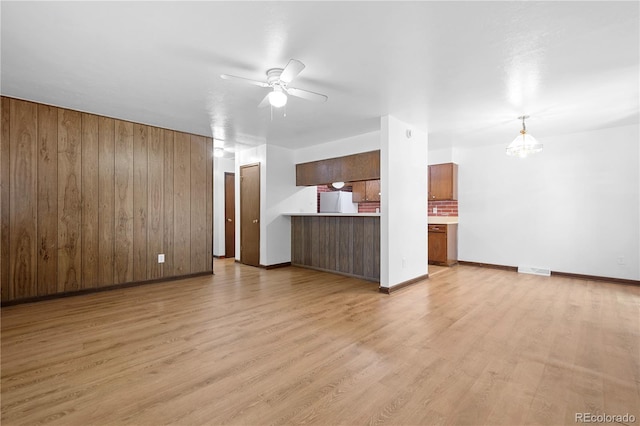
368,255
375,223
156,202
106,199
308,240
209,192
140,201
69,201
359,246
315,242
47,274
167,190
296,242
123,249
333,243
198,204
182,204
5,167
345,236
90,202
23,199
322,242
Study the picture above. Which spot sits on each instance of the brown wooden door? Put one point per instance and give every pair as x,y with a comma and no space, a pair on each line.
250,214
229,215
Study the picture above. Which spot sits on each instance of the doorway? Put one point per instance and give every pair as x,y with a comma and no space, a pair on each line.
229,215
250,214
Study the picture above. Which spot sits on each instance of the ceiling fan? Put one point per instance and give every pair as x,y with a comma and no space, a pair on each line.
278,80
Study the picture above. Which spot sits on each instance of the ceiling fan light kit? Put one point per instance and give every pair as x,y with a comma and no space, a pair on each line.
277,98
278,80
524,144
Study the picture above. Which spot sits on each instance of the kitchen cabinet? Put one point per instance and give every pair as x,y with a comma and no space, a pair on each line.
443,244
364,191
443,182
356,167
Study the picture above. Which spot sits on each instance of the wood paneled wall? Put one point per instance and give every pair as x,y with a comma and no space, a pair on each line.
89,201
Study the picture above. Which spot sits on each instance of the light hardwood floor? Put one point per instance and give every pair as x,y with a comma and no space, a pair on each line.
249,346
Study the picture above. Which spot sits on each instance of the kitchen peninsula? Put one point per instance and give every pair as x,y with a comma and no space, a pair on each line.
347,244
343,243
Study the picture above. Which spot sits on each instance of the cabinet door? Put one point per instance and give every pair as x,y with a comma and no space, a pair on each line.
438,247
354,167
443,181
373,190
359,191
363,166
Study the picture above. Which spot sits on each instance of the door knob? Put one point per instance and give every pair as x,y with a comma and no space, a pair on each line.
228,220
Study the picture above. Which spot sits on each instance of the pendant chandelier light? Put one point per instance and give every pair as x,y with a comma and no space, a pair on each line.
524,144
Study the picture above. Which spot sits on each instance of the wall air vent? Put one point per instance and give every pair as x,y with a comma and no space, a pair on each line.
535,271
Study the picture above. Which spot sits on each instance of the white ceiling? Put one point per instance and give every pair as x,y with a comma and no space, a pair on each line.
464,70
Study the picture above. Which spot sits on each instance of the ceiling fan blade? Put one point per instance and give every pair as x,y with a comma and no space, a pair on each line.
245,80
292,69
306,94
265,101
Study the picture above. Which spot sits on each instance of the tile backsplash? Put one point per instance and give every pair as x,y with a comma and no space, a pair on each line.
444,208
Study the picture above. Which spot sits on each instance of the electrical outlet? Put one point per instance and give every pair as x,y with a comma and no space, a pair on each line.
620,260
435,210
161,258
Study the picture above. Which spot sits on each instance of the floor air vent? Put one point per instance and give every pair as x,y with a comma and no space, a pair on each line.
535,271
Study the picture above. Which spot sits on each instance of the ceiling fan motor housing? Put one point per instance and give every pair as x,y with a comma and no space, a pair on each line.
273,76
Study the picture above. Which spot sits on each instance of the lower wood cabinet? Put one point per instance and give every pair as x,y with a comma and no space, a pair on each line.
443,244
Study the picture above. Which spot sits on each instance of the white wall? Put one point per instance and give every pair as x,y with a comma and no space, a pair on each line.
403,221
278,195
283,196
440,156
339,148
220,166
574,208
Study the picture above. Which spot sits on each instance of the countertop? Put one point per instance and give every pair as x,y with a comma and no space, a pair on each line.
442,220
331,214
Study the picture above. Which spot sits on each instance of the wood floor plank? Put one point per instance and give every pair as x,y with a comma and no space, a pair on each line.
291,345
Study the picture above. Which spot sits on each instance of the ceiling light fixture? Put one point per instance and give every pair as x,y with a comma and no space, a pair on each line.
524,144
218,152
277,98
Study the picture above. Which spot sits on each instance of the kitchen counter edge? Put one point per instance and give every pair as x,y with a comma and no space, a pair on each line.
442,220
332,214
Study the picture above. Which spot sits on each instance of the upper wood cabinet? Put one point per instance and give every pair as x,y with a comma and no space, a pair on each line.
443,182
365,191
356,167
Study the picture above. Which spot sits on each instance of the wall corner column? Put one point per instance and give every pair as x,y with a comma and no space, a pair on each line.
403,219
